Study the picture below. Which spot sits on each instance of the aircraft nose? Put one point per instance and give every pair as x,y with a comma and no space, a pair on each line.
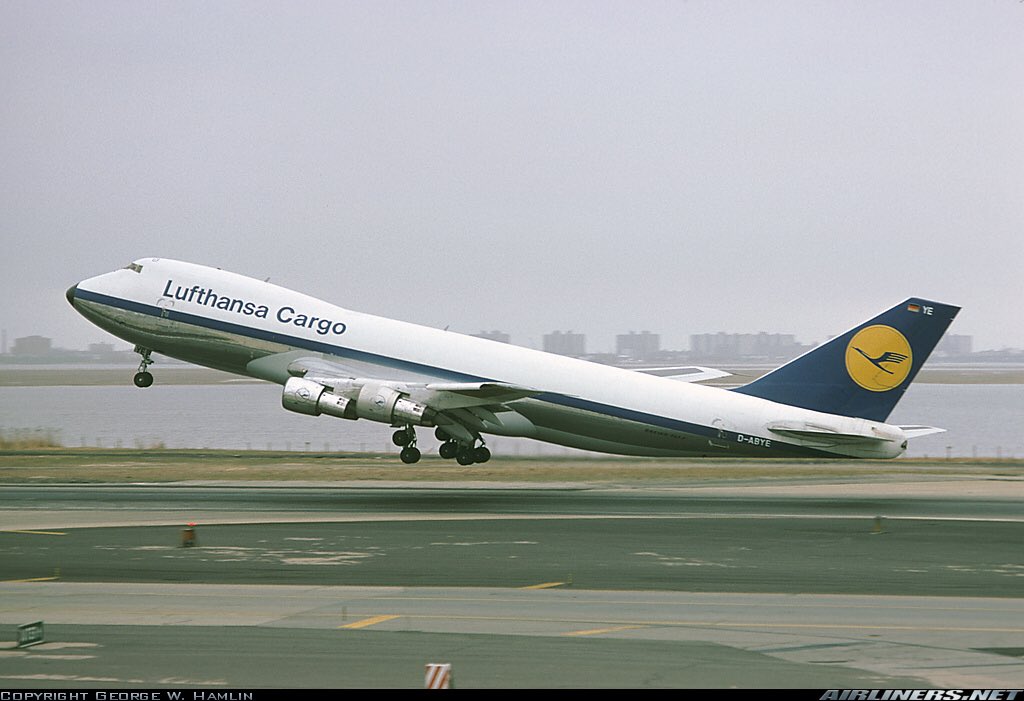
70,294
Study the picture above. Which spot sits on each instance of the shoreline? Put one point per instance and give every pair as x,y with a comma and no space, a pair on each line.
36,376
169,466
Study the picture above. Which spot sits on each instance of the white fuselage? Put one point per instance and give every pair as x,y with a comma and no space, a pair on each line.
235,323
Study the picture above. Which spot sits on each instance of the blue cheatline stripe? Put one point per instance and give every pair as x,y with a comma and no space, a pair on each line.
275,337
398,364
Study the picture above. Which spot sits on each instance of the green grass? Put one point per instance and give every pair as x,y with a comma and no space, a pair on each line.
44,464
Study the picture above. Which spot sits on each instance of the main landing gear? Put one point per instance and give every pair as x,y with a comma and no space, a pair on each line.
462,453
406,437
143,378
450,448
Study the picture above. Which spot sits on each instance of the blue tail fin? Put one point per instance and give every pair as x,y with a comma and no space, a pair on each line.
864,372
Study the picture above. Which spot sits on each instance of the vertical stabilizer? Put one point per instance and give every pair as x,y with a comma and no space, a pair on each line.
865,371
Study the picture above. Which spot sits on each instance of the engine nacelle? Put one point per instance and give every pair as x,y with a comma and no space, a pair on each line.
380,402
375,401
312,398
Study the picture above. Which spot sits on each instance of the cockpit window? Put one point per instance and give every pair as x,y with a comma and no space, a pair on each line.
133,267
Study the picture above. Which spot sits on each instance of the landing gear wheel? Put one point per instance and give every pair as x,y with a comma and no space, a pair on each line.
481,454
143,378
410,455
441,435
449,450
402,437
464,456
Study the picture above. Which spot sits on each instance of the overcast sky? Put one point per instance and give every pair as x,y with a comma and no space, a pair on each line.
679,167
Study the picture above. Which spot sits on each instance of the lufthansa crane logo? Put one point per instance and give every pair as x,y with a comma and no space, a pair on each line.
879,358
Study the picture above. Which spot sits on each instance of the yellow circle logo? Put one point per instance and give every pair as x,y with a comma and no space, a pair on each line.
879,358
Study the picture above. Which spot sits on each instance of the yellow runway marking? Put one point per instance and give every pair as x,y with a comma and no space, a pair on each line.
599,631
545,585
33,579
366,622
37,532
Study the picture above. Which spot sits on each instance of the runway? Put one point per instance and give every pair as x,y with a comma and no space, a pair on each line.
861,585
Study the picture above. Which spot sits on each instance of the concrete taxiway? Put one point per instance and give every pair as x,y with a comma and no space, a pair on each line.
864,584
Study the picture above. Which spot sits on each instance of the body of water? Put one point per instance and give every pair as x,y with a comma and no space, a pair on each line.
981,420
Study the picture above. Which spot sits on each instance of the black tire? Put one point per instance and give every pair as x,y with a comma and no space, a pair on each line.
401,437
441,435
481,454
143,379
464,456
449,450
410,455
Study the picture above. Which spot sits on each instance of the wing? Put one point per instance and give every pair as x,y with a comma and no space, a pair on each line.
453,395
463,409
689,373
438,395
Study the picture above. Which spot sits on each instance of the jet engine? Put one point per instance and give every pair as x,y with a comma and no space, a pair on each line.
375,401
312,398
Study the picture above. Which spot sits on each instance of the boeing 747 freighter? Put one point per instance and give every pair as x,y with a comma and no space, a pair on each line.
830,402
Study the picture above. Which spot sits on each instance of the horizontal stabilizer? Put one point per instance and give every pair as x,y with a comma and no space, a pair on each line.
689,373
806,430
918,431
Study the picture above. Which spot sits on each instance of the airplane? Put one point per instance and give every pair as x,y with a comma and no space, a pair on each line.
831,402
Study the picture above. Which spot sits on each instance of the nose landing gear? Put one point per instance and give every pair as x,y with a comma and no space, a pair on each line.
143,378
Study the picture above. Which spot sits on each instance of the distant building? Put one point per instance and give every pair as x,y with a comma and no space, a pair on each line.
952,344
499,336
567,343
745,346
638,346
32,345
101,348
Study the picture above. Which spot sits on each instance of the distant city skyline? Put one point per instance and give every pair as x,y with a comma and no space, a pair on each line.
717,344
